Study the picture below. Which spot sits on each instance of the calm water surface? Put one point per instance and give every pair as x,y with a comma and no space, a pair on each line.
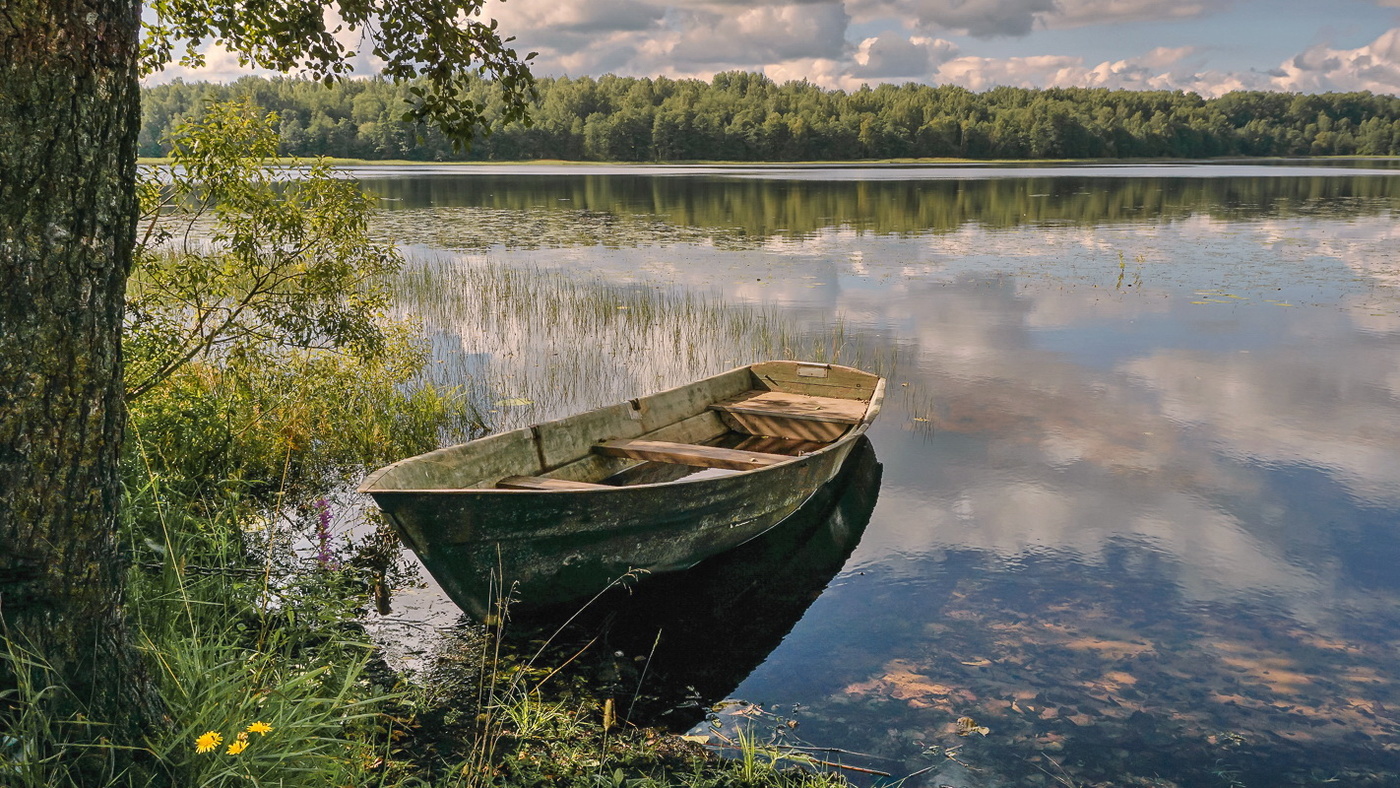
1139,513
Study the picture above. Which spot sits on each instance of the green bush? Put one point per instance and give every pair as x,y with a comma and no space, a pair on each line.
260,360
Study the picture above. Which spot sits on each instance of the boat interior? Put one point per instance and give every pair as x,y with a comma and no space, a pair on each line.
744,419
761,428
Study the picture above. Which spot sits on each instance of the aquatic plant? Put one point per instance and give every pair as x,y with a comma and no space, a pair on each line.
527,345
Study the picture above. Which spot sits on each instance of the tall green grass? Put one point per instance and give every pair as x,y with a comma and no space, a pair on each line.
263,681
531,344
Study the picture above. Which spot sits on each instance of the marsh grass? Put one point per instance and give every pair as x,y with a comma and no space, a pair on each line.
38,750
265,679
271,668
529,344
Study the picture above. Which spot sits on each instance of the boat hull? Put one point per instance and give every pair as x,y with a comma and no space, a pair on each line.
536,550
559,511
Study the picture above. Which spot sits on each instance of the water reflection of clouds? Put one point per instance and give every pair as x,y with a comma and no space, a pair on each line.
1307,262
1186,466
1328,407
1371,249
1173,450
1214,555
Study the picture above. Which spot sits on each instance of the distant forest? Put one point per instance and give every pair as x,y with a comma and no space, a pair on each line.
740,116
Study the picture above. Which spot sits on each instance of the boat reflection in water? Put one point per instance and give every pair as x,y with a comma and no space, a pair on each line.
674,644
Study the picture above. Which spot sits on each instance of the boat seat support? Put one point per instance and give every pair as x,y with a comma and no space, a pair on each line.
691,454
545,483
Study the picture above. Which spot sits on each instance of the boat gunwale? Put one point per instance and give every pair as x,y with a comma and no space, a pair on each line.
872,409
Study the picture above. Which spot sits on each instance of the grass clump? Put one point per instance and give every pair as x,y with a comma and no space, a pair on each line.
530,345
266,681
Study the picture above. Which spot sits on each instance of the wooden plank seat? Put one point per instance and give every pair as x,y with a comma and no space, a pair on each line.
544,483
795,406
787,415
692,454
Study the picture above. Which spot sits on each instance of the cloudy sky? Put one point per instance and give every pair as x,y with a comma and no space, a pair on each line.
1208,46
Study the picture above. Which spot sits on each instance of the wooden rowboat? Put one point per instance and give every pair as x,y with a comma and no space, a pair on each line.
556,512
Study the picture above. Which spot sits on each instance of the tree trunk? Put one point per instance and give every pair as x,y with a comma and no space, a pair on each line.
69,113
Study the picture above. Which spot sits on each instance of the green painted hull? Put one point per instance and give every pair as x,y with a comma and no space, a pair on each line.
544,548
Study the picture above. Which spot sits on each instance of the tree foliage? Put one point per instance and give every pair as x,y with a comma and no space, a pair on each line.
260,355
238,255
741,116
439,45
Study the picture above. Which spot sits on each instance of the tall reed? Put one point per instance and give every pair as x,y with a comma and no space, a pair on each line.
530,344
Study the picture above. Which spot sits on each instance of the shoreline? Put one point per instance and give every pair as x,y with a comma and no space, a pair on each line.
353,162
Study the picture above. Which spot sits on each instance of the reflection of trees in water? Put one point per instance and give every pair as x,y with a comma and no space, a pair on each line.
626,209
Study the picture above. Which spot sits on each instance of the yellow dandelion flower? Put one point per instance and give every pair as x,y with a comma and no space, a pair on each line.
261,728
238,746
208,741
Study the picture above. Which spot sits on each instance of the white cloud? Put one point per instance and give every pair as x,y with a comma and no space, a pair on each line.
550,21
992,18
813,40
980,18
762,34
689,39
824,72
1374,67
1079,13
1152,71
895,58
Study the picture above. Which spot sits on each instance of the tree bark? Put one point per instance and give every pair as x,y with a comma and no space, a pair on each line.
69,113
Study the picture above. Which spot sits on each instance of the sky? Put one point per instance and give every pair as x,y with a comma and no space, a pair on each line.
1206,46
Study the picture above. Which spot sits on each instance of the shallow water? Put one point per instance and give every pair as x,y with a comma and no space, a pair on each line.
1140,509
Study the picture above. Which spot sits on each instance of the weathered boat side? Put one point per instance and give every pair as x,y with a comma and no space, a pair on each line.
562,448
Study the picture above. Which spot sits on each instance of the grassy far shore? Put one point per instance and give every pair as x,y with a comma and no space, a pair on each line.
336,161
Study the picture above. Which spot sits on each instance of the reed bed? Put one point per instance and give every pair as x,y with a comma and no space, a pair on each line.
528,344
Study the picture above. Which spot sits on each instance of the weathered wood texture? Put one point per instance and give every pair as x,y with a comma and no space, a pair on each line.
689,454
565,441
543,483
69,111
700,428
777,445
786,415
479,463
842,382
795,406
563,448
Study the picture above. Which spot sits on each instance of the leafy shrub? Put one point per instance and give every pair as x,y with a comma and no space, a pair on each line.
260,359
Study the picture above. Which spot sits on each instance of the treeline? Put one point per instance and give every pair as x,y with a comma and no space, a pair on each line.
740,116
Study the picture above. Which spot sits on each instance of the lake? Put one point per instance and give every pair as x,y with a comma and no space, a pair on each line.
1138,520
